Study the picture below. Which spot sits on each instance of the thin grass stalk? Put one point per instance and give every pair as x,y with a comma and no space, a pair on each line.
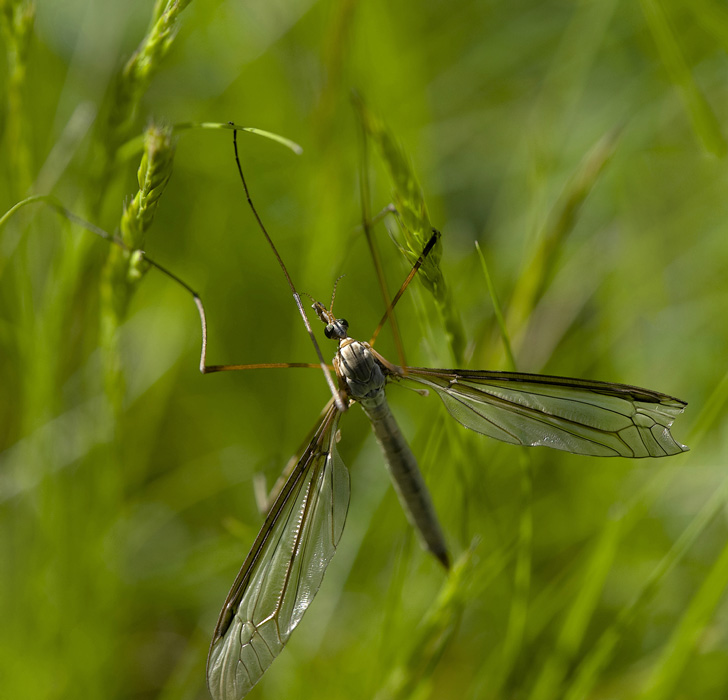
517,619
706,125
16,29
497,310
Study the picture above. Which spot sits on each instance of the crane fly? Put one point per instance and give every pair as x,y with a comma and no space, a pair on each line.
302,528
286,564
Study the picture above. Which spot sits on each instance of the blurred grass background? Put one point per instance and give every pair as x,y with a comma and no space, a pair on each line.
581,144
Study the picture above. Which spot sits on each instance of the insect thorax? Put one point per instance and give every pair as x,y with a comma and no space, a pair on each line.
358,370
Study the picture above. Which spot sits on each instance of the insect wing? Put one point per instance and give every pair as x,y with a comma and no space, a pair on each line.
283,570
578,416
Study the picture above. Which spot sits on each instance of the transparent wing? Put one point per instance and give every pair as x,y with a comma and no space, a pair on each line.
583,417
284,568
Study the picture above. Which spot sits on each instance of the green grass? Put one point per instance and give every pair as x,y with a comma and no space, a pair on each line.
580,144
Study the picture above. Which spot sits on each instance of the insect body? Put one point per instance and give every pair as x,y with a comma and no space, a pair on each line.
363,373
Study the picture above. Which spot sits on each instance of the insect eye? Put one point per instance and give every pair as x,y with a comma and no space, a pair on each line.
330,331
344,323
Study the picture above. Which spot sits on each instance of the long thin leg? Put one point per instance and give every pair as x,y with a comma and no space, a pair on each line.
324,367
115,240
204,367
426,251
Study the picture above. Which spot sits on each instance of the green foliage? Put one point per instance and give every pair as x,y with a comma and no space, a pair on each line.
580,144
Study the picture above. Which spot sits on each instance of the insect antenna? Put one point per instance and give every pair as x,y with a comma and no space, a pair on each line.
333,293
